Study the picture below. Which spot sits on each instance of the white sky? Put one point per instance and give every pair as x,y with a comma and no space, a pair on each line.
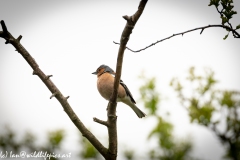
70,39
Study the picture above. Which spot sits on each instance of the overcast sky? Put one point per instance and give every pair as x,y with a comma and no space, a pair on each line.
70,39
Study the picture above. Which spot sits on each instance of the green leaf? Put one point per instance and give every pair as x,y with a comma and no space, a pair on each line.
225,37
216,2
224,20
211,3
238,26
230,7
223,3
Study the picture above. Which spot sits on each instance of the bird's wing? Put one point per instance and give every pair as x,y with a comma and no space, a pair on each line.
127,91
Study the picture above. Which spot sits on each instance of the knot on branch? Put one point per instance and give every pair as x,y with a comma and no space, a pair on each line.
48,76
74,118
35,72
67,97
130,21
127,18
19,38
54,95
112,117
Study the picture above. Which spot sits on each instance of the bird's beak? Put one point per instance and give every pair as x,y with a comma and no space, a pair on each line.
95,73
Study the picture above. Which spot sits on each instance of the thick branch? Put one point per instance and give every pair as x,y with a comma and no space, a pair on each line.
112,118
237,35
54,90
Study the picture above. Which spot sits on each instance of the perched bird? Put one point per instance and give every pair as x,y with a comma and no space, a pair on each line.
105,84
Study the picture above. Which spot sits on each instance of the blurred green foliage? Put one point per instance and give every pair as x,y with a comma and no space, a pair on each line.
129,154
206,106
149,95
212,108
168,147
10,142
87,151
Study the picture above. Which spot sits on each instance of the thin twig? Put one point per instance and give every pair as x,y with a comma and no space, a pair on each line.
237,35
105,123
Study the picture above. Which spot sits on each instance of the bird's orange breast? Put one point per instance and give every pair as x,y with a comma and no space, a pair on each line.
105,86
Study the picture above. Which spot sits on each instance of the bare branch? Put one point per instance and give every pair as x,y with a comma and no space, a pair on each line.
236,35
54,90
112,118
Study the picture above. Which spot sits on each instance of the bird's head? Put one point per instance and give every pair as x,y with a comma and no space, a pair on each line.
103,69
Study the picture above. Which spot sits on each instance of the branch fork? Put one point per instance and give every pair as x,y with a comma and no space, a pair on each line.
109,153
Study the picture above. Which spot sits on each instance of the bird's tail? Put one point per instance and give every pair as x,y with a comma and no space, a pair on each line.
139,113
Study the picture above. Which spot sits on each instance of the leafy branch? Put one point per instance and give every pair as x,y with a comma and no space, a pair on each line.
169,147
225,14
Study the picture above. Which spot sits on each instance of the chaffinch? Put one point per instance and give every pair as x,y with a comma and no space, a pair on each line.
105,84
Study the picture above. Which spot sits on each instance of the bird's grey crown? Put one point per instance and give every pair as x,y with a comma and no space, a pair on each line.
107,68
